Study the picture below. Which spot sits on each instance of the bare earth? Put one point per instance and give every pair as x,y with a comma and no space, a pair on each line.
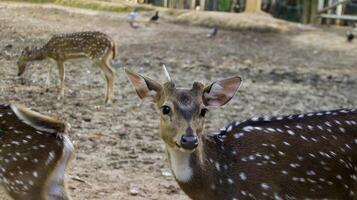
119,154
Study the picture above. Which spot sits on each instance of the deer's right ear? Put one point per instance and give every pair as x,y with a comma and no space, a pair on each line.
144,86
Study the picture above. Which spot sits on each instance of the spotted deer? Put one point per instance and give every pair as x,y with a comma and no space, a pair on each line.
97,46
303,156
34,154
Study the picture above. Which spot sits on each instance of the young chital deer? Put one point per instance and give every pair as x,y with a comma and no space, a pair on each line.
34,154
97,46
304,156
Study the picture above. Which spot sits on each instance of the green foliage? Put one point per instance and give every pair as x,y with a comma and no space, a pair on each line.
37,1
92,4
95,5
224,5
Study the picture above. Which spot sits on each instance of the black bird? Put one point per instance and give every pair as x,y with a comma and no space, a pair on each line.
155,17
213,32
350,36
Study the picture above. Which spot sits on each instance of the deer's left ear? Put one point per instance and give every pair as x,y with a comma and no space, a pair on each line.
221,92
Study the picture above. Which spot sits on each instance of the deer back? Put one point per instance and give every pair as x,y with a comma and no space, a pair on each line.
34,152
79,44
311,155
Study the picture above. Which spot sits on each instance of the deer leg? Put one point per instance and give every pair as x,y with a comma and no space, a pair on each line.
112,74
48,80
111,80
109,76
62,77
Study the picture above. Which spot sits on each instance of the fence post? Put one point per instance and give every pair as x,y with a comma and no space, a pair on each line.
165,3
306,11
253,6
339,12
314,9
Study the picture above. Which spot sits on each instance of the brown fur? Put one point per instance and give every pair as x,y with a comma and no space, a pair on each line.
33,160
97,46
305,156
38,120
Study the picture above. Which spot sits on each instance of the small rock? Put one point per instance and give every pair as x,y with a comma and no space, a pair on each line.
78,104
8,46
133,190
73,116
248,62
166,173
133,156
87,119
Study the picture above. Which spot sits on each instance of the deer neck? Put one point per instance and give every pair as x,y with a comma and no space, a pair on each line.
180,163
39,54
189,170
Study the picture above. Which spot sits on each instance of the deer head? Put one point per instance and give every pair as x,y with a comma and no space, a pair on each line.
22,61
28,54
182,111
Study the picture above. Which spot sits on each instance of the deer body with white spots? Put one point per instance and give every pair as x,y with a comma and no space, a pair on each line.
97,46
34,154
305,156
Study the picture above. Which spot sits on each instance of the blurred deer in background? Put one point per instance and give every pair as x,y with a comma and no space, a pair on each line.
304,156
97,46
34,154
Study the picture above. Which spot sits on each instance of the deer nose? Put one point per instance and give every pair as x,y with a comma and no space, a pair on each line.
189,142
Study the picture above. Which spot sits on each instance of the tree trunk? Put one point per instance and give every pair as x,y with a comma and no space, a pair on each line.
193,4
202,4
253,6
233,5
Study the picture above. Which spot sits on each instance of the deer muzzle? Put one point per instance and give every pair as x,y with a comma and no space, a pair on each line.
188,142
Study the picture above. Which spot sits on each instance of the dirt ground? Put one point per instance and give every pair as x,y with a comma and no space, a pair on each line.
119,154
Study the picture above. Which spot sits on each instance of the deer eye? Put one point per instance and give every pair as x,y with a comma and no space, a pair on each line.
203,112
165,110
